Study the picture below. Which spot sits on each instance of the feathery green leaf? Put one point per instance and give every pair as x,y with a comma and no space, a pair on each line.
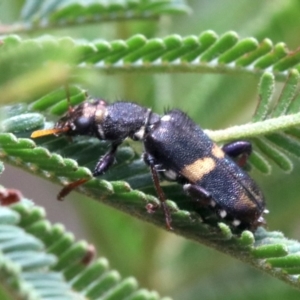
54,14
48,261
204,53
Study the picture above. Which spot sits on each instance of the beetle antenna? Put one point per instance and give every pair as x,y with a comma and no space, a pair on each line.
67,88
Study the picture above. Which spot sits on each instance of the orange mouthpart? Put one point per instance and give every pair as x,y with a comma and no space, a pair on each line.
44,132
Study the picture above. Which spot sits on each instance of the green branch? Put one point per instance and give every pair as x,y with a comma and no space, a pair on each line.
251,130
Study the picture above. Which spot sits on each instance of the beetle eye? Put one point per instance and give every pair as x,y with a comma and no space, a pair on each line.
82,123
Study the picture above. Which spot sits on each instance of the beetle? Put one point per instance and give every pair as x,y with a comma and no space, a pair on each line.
175,148
208,173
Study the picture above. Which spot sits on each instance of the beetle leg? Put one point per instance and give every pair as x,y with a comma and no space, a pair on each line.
199,194
160,193
106,161
203,198
102,165
239,151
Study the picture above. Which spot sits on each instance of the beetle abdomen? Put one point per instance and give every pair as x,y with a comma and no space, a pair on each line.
177,144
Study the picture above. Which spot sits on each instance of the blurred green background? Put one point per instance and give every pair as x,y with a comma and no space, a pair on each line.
161,260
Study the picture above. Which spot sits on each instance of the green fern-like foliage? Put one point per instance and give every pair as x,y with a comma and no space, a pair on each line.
207,52
40,260
42,15
274,126
39,60
38,159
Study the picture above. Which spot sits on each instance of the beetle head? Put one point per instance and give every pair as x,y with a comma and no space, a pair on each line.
80,120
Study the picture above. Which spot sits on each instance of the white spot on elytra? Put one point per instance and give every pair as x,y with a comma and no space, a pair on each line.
223,213
186,186
170,174
212,203
261,220
236,222
166,118
140,134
